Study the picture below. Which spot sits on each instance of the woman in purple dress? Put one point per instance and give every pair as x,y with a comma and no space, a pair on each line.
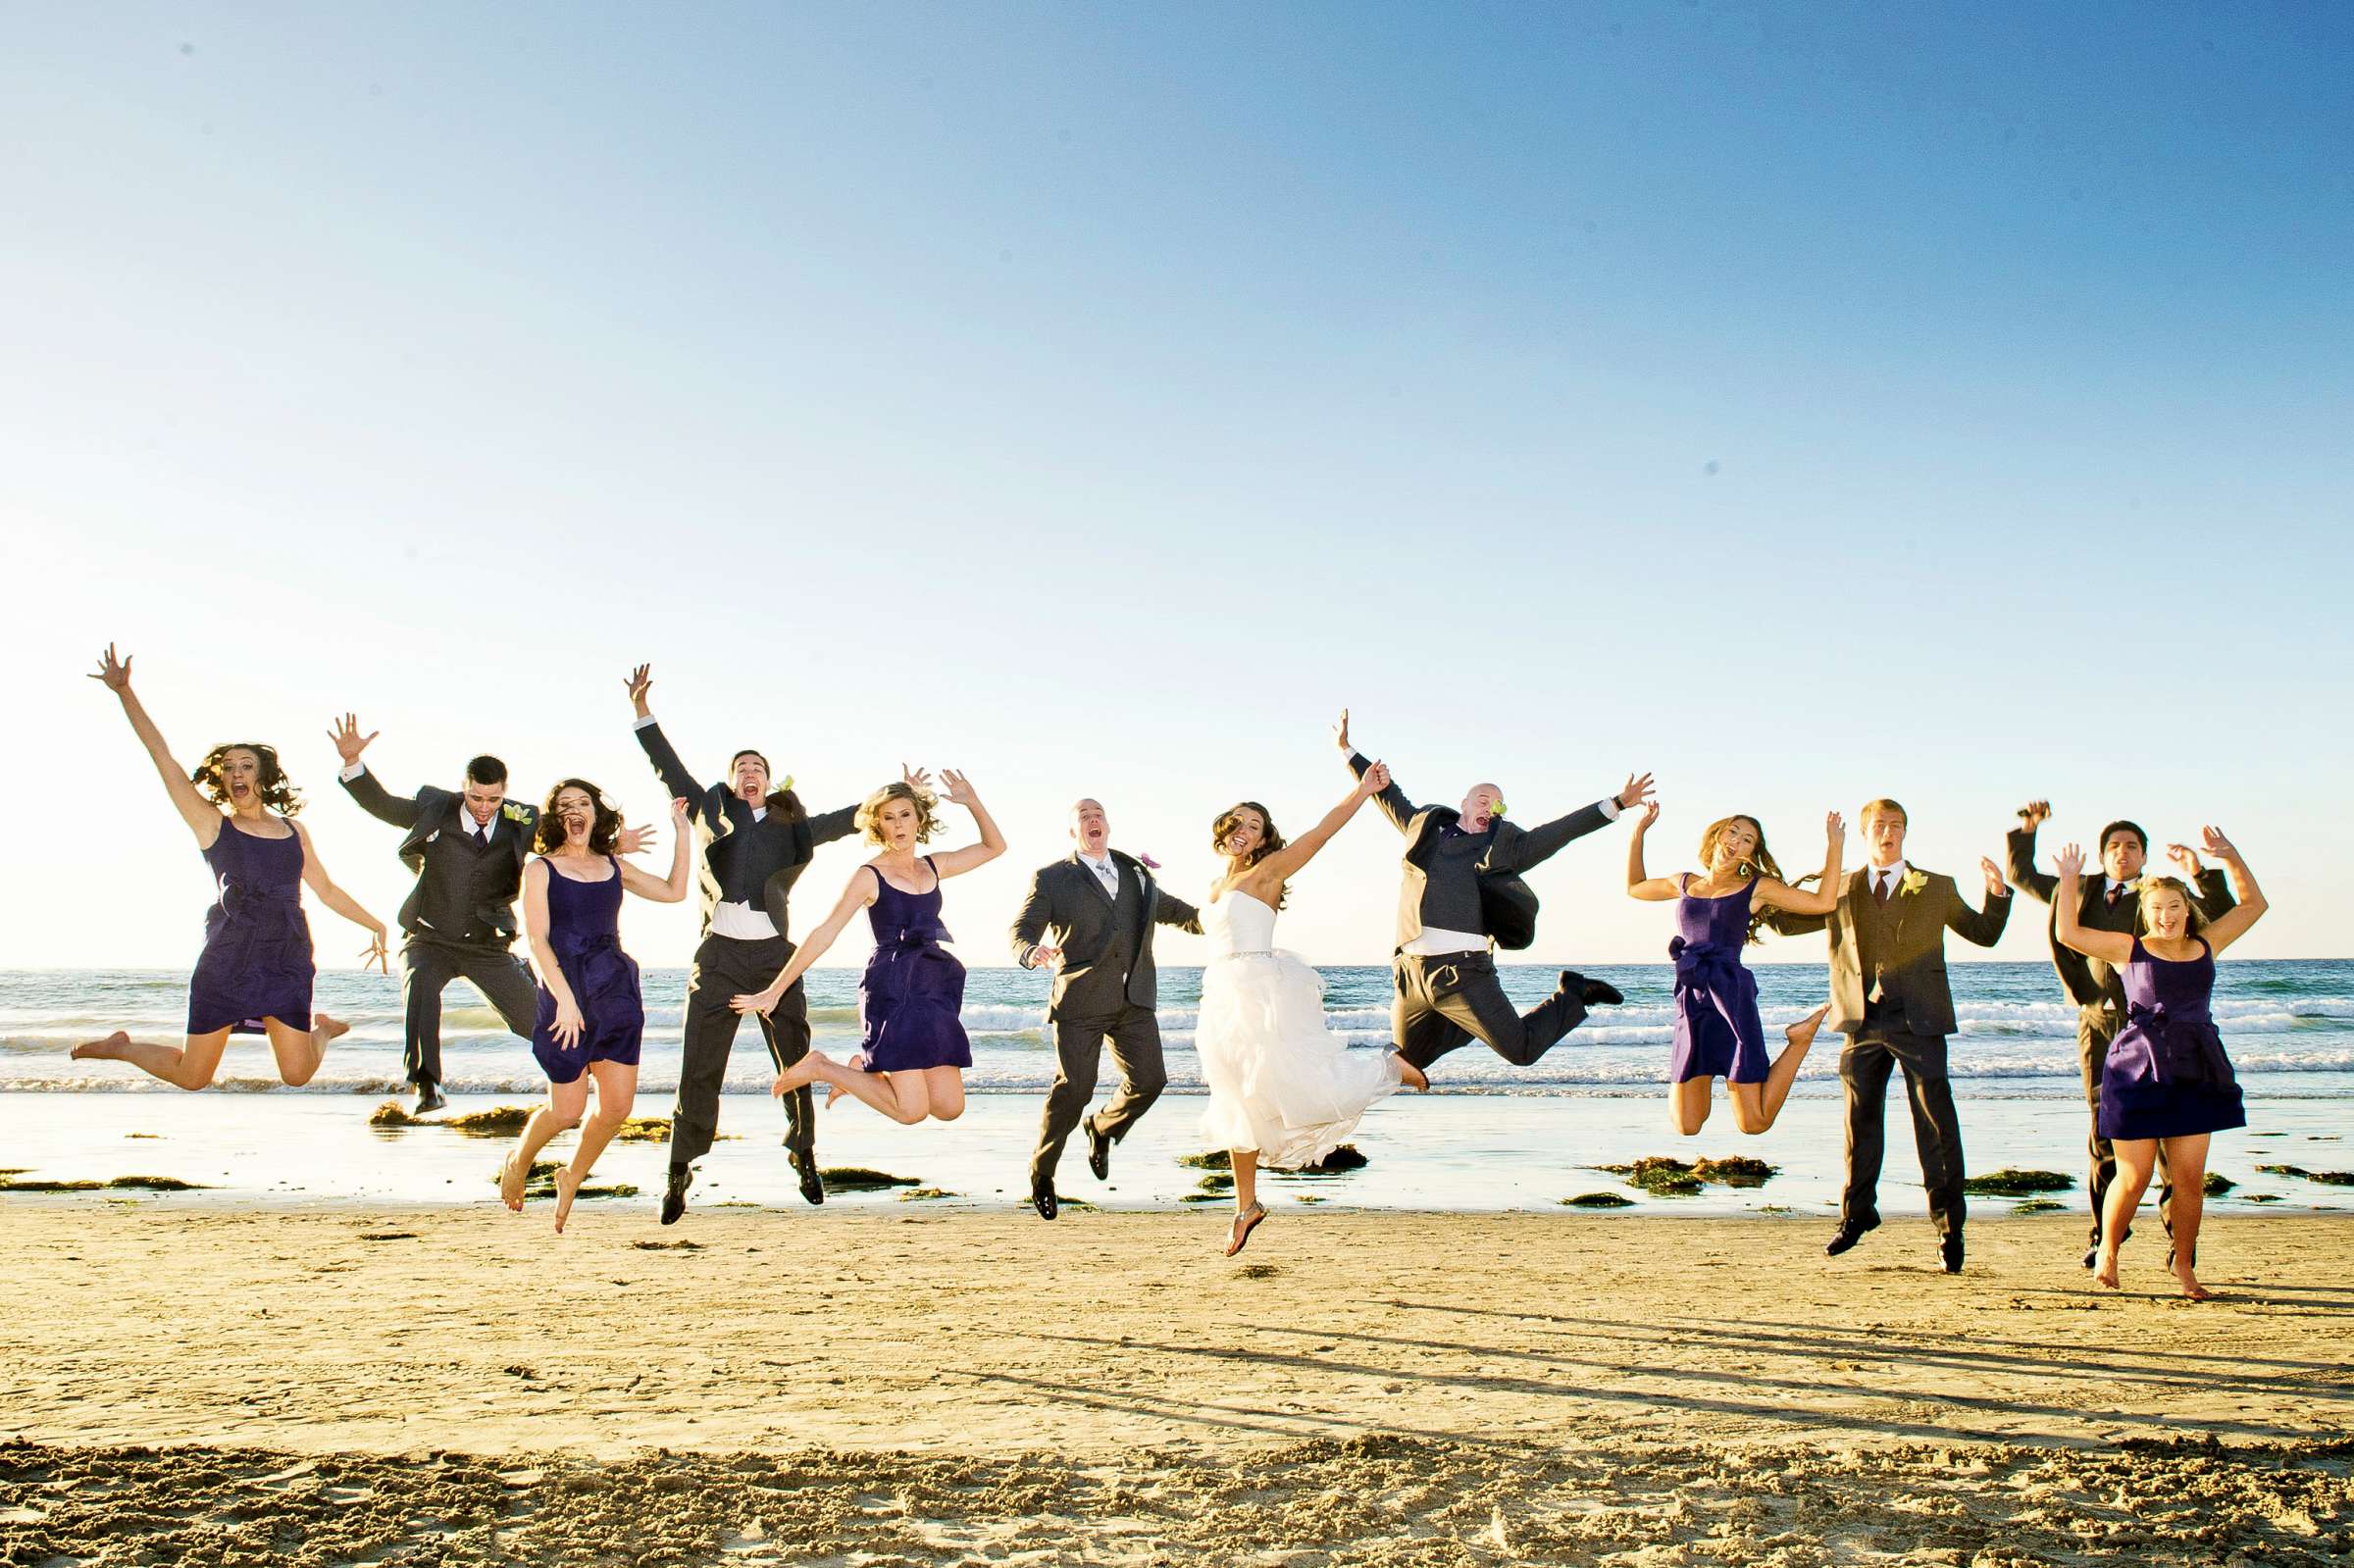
592,1018
1719,1033
911,1063
254,976
2165,1086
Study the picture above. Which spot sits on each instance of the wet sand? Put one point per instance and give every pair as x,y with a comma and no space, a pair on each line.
224,1384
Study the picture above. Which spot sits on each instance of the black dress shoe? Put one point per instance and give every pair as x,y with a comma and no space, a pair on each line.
2092,1256
673,1194
1593,992
1950,1249
429,1099
804,1165
1098,1151
1042,1197
1843,1238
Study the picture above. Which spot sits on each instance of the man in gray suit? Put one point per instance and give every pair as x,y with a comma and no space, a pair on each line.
1101,906
2107,902
1891,998
1463,897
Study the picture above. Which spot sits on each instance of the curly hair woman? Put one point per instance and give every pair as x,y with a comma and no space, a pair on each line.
256,972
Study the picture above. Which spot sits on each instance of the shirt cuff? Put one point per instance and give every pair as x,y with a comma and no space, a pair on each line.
352,772
1611,808
642,723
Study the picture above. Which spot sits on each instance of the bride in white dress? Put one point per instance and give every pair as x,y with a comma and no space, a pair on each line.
1284,1091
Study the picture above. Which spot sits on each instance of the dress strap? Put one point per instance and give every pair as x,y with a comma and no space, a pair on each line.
1683,884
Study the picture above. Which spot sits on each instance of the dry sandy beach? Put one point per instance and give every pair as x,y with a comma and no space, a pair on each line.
185,1383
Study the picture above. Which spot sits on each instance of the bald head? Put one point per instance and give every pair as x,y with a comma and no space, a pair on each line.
1481,806
1091,829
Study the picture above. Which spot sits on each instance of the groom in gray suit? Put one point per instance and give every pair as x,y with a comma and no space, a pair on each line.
1101,906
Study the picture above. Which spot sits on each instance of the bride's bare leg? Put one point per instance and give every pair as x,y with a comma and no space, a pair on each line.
188,1066
1247,1210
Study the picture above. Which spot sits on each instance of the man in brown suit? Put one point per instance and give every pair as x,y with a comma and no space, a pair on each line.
1890,998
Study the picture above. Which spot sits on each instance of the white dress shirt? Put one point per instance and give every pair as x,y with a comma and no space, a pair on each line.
1106,870
1895,875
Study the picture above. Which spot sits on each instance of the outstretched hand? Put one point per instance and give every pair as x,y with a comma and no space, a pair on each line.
918,779
2035,814
375,957
2217,844
1637,792
1340,734
956,789
115,673
1996,887
639,682
2070,862
1373,781
635,841
350,743
1651,814
2185,859
1834,829
679,807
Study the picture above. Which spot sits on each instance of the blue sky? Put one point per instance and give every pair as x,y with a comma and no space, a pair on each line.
1805,402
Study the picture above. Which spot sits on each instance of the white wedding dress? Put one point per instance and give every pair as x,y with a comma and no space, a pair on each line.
1279,1081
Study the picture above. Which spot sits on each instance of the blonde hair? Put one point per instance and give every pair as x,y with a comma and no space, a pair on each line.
1883,807
870,812
2193,923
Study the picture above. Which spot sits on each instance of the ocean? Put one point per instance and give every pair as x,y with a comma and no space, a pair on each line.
1493,1136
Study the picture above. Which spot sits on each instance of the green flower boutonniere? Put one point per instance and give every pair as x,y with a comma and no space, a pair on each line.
514,812
1914,882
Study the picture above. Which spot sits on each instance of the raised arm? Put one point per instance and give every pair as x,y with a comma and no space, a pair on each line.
1651,890
315,878
566,1026
1169,910
1525,850
201,815
645,884
956,862
2233,923
864,887
2209,887
1393,801
1278,868
2111,948
1984,927
1776,894
2018,850
360,782
667,766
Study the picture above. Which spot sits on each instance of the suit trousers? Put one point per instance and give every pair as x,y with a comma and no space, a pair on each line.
1133,1035
428,968
1447,1000
726,967
1863,1067
2096,1026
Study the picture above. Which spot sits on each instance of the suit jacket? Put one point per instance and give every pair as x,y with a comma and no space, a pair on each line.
762,858
1497,903
1907,940
464,896
1091,980
2090,982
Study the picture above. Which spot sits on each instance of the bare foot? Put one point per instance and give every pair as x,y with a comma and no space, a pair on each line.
835,1091
1411,1076
2106,1275
1244,1224
801,1073
568,1187
1801,1034
512,1174
2191,1287
324,1028
109,1049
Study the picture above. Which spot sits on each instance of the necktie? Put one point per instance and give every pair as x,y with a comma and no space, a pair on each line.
2115,893
482,838
1881,885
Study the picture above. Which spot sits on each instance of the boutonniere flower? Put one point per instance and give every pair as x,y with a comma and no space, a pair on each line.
1914,882
784,783
1497,810
514,812
1146,861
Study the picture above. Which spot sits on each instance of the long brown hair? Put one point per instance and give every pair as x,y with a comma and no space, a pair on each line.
1269,841
1760,863
603,829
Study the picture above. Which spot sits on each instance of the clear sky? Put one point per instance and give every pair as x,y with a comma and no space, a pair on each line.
1807,402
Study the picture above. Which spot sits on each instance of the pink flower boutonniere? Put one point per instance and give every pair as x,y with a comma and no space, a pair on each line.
1146,861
